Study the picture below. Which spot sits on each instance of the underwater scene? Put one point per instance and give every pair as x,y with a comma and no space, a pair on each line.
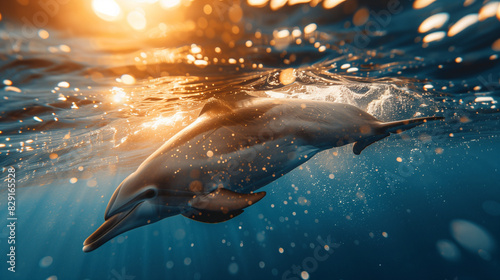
250,139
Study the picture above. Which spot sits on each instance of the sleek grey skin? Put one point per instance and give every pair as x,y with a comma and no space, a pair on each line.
209,171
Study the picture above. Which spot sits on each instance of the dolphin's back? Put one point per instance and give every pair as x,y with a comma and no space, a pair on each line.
233,126
255,141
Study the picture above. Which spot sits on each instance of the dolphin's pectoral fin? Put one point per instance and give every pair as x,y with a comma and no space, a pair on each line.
211,217
224,200
363,143
220,205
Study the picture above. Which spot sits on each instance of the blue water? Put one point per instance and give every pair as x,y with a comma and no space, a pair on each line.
420,205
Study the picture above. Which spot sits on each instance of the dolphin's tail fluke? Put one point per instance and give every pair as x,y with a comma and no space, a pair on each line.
387,128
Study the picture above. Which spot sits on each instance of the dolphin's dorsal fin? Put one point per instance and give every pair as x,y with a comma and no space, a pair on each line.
215,106
211,217
224,200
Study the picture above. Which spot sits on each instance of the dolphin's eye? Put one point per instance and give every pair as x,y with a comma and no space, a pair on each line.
148,192
151,193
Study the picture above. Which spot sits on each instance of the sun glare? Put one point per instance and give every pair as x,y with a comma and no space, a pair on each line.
119,96
166,4
134,13
162,121
136,20
107,10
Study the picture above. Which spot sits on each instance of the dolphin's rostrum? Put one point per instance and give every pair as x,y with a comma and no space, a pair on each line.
210,170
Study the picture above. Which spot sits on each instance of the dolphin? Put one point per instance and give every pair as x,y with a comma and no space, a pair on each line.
210,171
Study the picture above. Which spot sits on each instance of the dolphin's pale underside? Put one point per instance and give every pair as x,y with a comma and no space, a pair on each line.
210,170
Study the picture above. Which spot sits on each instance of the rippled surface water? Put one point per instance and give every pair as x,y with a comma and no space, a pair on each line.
84,102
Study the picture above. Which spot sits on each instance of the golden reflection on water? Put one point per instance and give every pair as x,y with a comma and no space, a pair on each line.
496,45
434,36
420,4
163,121
133,23
488,10
462,24
119,95
433,22
498,12
439,20
278,4
330,4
